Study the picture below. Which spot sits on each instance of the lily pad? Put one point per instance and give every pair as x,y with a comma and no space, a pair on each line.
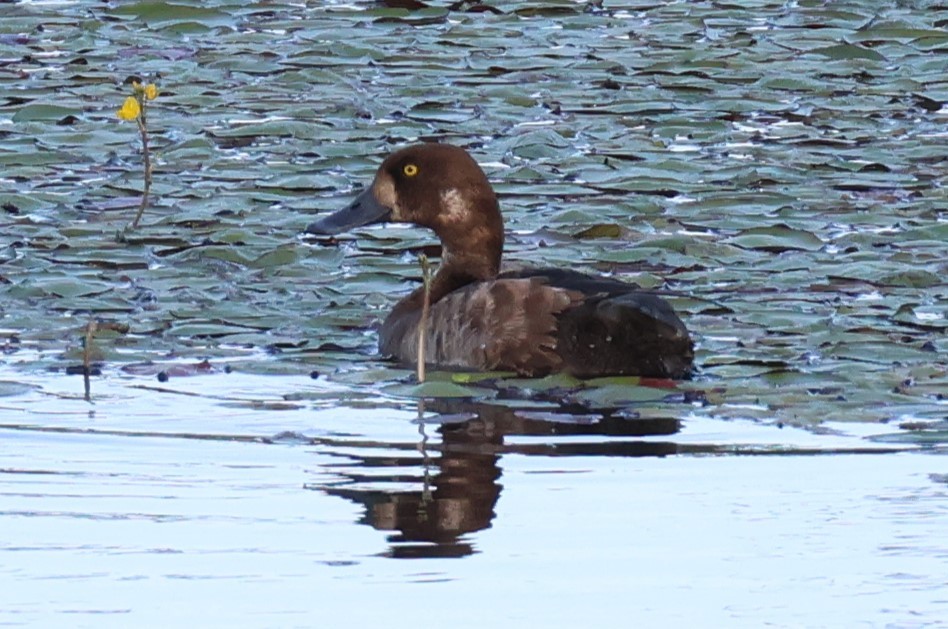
783,186
777,239
44,112
438,389
848,51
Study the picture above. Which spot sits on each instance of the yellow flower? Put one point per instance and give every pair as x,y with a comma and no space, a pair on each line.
151,91
130,109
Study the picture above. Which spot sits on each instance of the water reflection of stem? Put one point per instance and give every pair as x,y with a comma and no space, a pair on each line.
146,156
91,328
423,322
425,462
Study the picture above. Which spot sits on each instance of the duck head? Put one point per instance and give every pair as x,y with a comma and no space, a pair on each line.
437,186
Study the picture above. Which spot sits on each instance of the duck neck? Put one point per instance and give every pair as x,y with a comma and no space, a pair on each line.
460,269
471,231
457,270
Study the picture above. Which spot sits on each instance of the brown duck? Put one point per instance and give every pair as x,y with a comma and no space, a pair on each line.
533,321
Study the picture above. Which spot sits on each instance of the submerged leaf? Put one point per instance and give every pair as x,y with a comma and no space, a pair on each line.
602,230
848,51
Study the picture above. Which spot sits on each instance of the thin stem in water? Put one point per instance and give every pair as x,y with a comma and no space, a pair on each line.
423,322
91,328
146,156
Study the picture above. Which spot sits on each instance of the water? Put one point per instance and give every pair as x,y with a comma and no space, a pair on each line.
785,186
163,508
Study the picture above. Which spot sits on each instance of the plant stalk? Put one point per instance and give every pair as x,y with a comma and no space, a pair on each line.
423,322
91,328
146,156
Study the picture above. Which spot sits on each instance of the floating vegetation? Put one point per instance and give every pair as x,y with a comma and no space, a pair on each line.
779,170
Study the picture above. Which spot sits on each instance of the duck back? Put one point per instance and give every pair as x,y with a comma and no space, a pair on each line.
615,329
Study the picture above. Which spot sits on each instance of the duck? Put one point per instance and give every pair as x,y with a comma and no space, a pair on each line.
531,321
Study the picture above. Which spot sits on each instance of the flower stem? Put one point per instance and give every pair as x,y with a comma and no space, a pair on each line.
91,328
146,156
423,322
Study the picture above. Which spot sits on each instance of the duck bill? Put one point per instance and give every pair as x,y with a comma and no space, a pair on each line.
365,210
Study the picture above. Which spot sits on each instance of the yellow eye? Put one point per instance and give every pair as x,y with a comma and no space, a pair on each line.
410,170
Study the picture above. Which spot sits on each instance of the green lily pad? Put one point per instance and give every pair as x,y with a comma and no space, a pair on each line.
847,51
612,395
159,13
438,389
44,112
776,238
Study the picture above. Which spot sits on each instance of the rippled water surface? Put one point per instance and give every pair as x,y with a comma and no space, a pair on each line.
147,509
776,168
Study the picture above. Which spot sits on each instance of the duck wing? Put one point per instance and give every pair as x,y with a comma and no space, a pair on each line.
614,329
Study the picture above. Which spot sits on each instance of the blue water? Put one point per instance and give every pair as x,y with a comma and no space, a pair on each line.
153,508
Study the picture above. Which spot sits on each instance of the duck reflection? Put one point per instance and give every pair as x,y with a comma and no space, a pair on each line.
456,490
